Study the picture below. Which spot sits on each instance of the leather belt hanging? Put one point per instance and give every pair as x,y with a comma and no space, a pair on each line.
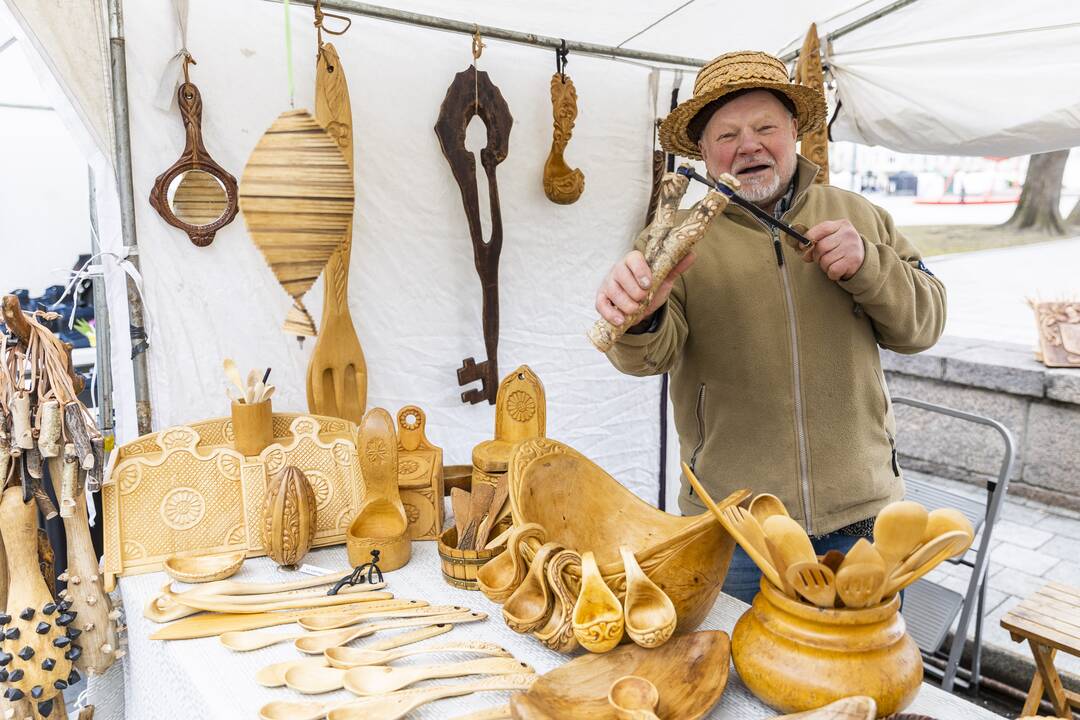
472,93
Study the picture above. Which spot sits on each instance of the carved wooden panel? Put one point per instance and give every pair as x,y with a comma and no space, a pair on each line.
420,475
815,144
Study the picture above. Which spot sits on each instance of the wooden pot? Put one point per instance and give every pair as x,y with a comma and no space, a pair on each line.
288,517
797,657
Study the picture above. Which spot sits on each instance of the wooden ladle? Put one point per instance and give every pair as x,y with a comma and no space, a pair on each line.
529,606
634,698
899,528
499,577
598,615
316,643
943,520
766,505
649,614
379,680
316,623
347,657
398,705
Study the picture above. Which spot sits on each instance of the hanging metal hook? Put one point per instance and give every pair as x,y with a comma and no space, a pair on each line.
560,60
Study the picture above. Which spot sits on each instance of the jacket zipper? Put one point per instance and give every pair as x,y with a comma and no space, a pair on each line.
701,429
884,419
800,423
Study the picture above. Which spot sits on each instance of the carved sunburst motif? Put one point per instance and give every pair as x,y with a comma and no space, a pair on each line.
183,508
520,406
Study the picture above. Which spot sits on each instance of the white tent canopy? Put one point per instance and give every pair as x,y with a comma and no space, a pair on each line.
912,81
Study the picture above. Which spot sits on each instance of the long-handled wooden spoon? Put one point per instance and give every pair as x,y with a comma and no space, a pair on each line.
499,712
317,623
255,639
766,505
274,675
898,530
648,613
233,373
347,657
168,606
398,705
213,603
381,680
315,643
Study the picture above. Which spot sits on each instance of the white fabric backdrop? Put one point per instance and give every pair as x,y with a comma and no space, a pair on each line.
414,293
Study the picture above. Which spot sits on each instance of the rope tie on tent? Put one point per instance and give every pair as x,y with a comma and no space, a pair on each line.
477,50
177,64
288,55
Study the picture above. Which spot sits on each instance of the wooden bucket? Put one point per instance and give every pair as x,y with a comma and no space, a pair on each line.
459,566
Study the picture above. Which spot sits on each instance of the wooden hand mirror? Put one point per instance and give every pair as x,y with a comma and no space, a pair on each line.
196,194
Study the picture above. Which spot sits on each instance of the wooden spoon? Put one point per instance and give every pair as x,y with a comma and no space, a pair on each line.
860,585
502,490
766,505
789,539
213,624
943,520
634,698
649,614
947,546
254,639
733,519
347,657
499,577
479,503
233,373
274,675
899,528
215,603
249,389
380,680
598,615
781,570
499,539
863,552
530,605
333,622
398,705
813,581
459,501
315,643
165,607
499,712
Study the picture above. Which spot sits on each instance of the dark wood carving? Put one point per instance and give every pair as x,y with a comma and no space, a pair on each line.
472,93
194,157
658,163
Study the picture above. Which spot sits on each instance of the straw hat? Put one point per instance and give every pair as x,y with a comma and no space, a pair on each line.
730,73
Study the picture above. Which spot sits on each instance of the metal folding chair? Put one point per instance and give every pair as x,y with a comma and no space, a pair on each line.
929,609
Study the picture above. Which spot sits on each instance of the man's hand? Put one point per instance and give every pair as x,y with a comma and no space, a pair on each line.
628,284
838,249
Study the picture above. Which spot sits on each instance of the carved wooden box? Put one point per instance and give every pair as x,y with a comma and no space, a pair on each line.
420,475
185,489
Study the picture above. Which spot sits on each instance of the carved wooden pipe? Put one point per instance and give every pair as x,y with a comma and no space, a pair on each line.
665,247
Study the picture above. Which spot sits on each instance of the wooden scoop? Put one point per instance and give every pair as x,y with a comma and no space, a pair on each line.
347,657
530,605
899,528
598,615
499,577
813,581
316,643
649,614
634,698
398,705
379,680
860,585
274,675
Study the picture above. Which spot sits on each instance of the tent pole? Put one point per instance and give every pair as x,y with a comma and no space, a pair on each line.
353,7
854,25
101,324
127,213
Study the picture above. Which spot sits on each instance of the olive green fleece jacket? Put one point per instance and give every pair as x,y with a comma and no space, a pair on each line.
776,380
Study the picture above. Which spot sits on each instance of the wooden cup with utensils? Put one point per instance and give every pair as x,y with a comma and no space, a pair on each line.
253,427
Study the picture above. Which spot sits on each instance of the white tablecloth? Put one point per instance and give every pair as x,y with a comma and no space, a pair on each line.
201,679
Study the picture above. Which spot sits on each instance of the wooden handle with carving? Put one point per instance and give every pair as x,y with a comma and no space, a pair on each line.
662,253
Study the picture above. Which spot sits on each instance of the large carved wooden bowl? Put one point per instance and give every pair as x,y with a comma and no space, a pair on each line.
583,508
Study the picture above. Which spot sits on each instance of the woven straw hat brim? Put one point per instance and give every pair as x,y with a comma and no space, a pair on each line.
809,109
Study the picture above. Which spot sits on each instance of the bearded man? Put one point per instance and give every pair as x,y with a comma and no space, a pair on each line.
776,380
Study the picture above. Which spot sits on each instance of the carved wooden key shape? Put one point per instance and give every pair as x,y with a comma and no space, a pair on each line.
472,93
204,198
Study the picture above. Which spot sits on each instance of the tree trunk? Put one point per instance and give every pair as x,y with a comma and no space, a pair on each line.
1039,207
1074,216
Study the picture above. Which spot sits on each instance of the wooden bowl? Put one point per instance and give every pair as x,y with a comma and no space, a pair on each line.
459,566
380,525
583,508
204,568
690,673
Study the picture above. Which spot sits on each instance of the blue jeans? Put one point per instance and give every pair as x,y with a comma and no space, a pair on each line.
743,577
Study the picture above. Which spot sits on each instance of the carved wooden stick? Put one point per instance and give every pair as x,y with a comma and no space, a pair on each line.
77,434
51,423
662,253
69,481
20,421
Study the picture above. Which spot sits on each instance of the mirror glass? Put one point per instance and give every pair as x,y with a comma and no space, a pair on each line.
197,197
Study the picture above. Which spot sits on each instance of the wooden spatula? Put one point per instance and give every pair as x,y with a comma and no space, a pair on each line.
479,503
502,490
460,502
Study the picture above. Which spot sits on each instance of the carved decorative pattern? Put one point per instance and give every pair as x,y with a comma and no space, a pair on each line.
342,453
275,461
235,536
407,467
520,406
376,451
177,438
128,479
411,512
183,508
320,485
133,550
229,465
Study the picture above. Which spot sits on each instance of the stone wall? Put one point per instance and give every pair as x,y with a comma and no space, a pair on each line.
1040,405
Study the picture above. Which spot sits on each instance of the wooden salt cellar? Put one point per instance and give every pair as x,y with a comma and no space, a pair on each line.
381,523
520,414
420,475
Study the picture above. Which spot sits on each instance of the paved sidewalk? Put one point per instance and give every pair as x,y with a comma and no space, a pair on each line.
1032,544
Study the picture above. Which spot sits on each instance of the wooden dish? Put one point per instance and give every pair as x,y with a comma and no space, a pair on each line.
381,523
582,508
207,568
459,567
579,689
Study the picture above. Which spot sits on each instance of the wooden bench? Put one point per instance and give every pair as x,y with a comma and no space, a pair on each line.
1050,621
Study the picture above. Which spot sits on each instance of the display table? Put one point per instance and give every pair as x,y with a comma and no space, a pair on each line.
202,679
